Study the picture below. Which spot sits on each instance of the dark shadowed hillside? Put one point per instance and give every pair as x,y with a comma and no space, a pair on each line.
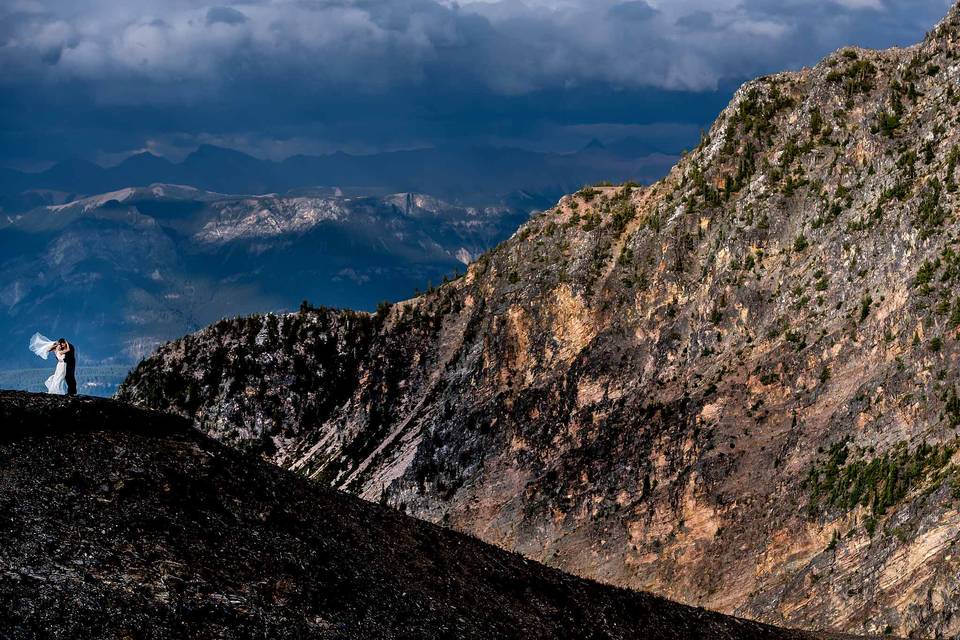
122,523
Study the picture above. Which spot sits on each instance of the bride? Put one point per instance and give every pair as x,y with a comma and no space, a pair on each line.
42,346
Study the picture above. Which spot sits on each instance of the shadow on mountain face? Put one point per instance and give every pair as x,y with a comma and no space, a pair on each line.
119,522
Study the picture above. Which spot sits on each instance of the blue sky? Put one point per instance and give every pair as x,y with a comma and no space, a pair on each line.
103,79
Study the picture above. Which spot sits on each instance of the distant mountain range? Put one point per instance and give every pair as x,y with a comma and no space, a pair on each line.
123,270
125,256
472,176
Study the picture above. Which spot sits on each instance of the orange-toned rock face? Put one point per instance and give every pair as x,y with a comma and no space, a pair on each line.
735,387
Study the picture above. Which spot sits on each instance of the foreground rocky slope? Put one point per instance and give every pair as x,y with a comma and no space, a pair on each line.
122,523
736,387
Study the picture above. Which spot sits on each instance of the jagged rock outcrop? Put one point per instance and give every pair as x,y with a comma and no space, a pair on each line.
735,388
123,523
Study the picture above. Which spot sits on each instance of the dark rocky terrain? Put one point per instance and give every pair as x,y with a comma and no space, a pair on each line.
122,523
737,387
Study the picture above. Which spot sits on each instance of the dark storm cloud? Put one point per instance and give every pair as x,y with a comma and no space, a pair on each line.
635,10
95,77
696,21
226,15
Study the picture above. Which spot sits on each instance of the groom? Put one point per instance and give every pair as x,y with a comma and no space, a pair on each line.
70,358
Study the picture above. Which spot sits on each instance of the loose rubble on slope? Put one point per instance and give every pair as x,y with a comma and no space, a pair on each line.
123,523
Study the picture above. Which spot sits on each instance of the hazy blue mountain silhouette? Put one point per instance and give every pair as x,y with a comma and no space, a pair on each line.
476,175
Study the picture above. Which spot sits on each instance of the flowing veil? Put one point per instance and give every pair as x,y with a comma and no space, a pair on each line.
41,345
56,383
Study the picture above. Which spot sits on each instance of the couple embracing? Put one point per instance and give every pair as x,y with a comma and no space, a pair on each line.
63,381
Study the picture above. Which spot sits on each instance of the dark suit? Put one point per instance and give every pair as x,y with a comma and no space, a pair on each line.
71,359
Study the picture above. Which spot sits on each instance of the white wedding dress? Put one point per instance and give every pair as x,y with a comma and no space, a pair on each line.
57,383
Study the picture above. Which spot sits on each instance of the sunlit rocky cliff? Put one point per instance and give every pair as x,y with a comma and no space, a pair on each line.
736,388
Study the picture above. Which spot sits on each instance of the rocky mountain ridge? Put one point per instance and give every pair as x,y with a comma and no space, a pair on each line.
735,387
156,531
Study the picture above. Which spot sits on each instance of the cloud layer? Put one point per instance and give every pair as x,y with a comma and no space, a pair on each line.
318,70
